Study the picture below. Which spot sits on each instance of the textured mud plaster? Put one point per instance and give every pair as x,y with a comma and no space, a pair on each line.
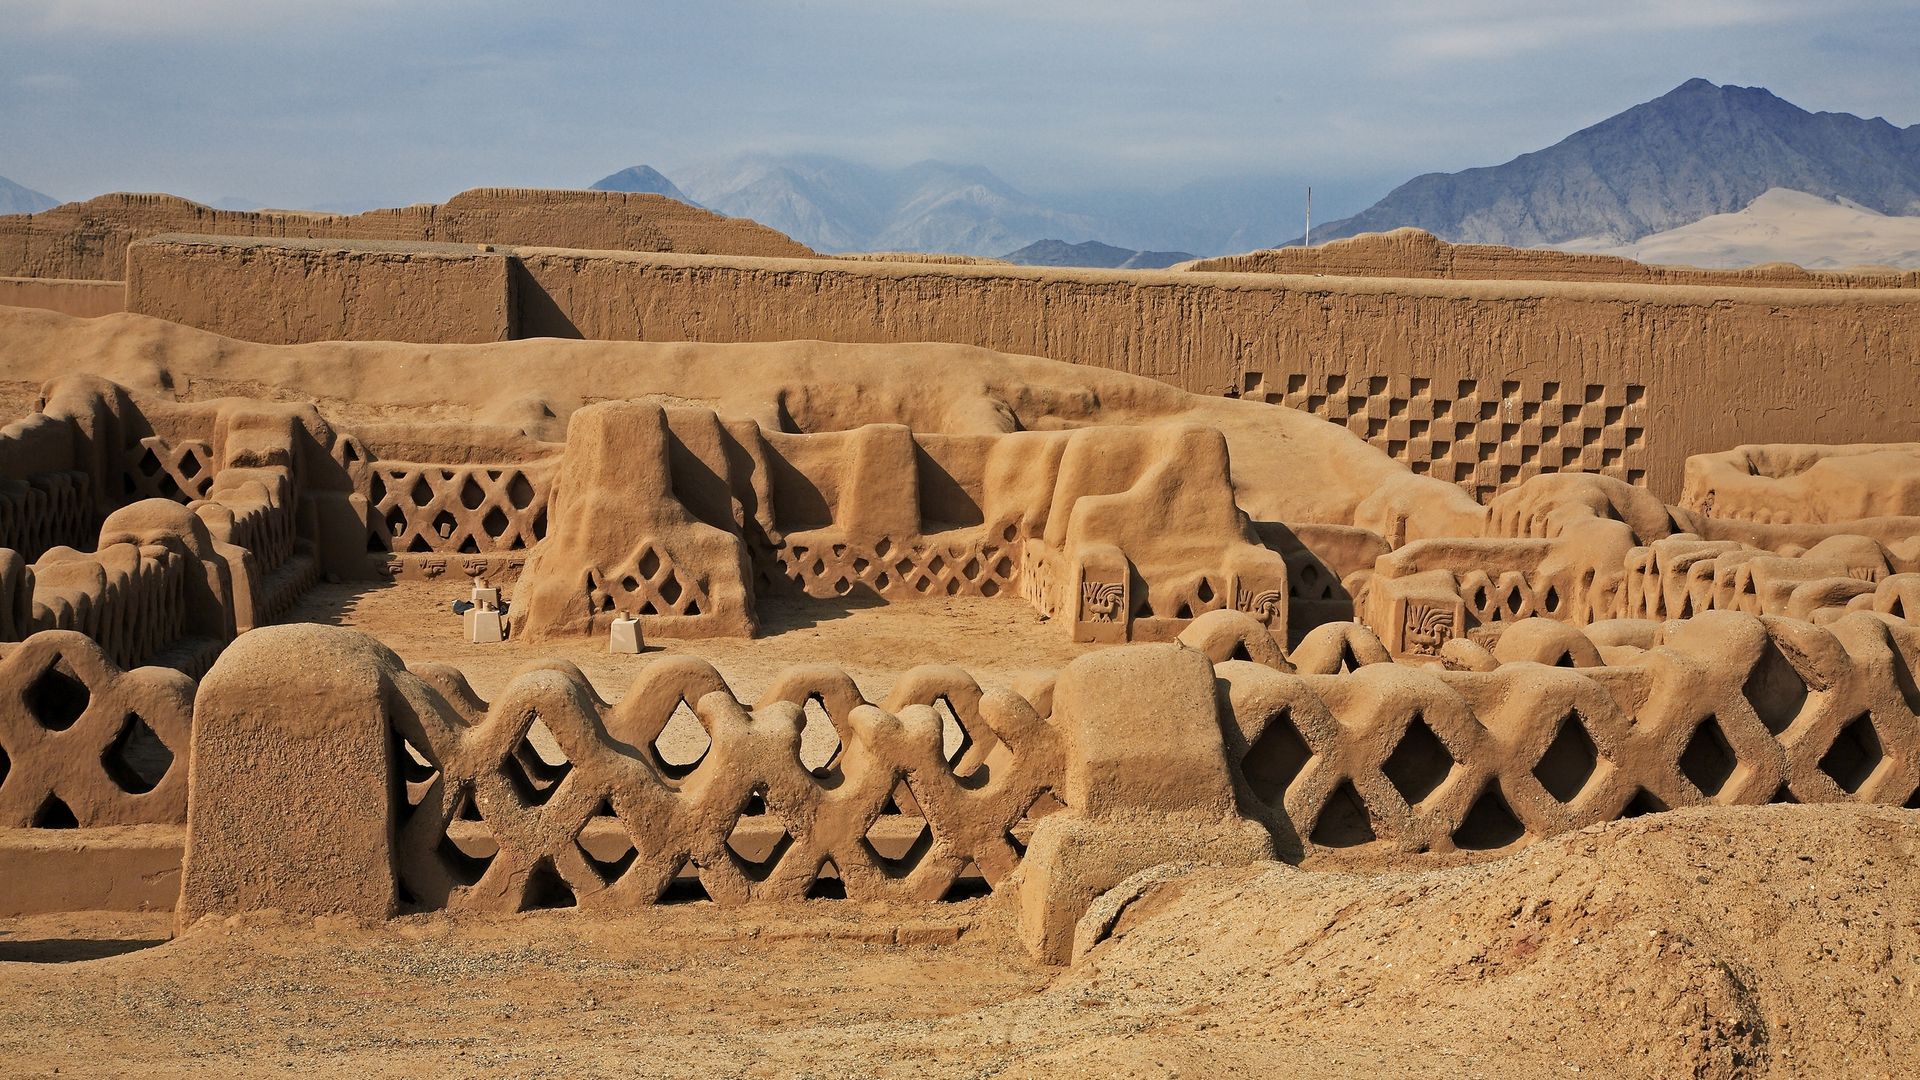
1146,782
83,299
289,291
89,239
287,793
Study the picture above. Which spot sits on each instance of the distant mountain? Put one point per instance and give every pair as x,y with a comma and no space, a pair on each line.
644,179
1782,226
15,199
835,205
1093,253
1700,150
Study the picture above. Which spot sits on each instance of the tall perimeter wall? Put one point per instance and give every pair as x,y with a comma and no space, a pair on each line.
1483,383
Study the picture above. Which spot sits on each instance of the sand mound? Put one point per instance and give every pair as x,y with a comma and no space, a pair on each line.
1775,940
1715,943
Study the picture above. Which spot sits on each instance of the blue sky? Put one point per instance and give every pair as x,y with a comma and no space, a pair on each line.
303,102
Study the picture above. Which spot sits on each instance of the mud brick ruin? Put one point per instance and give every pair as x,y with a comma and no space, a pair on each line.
1383,552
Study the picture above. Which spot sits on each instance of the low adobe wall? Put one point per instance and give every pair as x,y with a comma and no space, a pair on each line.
82,299
1478,383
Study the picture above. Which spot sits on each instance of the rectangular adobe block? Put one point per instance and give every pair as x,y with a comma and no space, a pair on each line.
288,801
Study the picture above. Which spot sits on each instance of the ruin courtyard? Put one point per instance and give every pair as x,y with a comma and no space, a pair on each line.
565,633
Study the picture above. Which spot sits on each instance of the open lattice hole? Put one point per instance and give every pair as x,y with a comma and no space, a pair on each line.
819,739
682,744
1420,764
537,765
955,739
1569,761
758,841
1856,754
897,843
606,847
827,884
469,845
546,889
57,698
1275,759
1343,821
1708,760
1490,822
54,813
1774,689
136,760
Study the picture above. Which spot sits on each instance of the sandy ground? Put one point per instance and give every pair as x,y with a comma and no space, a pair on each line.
1763,941
996,640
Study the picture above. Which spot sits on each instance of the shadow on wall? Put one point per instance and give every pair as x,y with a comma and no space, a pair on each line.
535,313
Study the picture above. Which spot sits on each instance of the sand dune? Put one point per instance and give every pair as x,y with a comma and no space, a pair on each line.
1779,226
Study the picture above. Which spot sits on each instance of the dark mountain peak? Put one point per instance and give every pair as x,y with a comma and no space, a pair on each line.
644,179
1698,150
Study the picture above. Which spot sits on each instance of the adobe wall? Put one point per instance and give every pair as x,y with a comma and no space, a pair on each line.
89,239
83,299
290,291
1481,383
1476,383
1415,253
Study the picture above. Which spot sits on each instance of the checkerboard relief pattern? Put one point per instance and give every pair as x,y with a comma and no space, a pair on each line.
1484,434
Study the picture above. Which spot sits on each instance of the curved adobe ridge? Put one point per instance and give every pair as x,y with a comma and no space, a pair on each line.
1416,253
88,240
1286,466
1392,760
471,761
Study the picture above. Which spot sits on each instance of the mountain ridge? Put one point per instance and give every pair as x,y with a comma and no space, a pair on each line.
1699,150
19,199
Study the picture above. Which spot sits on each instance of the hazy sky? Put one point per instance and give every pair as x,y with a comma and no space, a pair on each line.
298,102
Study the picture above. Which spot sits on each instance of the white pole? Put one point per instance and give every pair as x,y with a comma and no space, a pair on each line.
1309,236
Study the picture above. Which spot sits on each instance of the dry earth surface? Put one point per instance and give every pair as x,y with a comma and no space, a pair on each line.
1768,941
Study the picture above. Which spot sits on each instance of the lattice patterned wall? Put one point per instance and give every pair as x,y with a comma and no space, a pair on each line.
650,585
983,565
46,510
1420,759
460,509
586,809
1485,435
83,743
158,470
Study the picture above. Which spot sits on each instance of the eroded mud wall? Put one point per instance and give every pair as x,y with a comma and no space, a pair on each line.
89,239
1478,383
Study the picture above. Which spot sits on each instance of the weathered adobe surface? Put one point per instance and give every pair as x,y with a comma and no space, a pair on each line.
332,289
69,297
436,399
1674,370
89,239
1479,382
1416,253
